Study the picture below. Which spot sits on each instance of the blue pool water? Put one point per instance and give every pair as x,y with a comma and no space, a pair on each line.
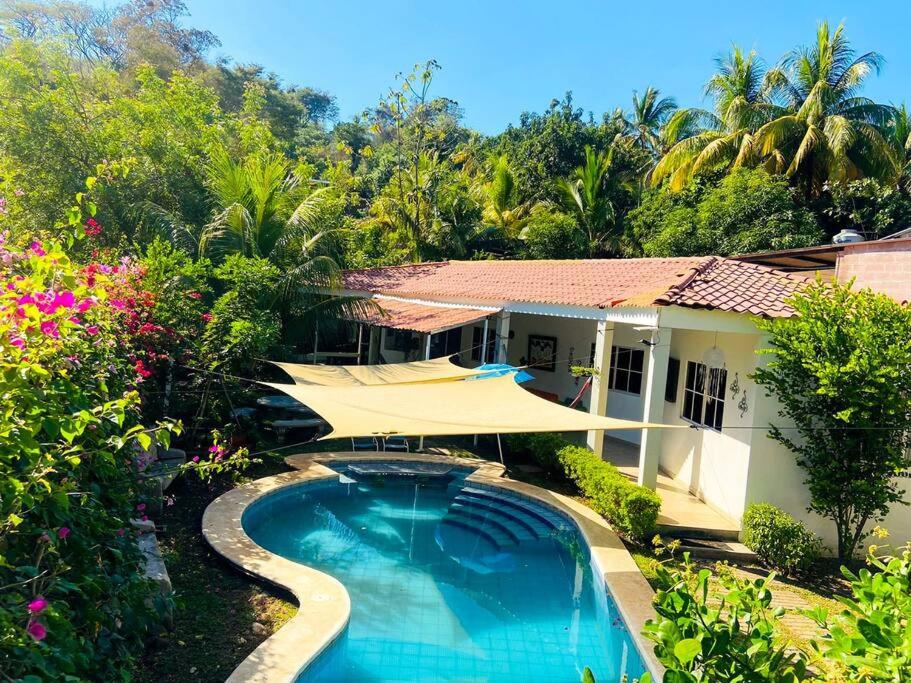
448,581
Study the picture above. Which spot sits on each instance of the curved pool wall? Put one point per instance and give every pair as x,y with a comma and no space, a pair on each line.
443,586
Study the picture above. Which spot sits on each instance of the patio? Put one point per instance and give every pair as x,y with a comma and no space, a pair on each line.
681,511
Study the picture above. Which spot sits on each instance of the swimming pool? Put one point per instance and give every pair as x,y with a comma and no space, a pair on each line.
449,580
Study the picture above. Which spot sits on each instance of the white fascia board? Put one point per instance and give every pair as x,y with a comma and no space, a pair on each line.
621,314
708,320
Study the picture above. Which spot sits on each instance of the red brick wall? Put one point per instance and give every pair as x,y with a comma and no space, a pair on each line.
884,266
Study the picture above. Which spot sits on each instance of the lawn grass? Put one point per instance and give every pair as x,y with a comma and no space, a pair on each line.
217,605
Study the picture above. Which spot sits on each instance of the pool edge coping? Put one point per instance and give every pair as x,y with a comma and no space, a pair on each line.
324,606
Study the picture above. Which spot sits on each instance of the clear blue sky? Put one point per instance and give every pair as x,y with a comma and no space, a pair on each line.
500,58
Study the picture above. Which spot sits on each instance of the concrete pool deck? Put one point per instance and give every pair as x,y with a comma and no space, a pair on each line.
324,605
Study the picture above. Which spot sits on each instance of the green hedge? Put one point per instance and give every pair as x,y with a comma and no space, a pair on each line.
542,448
780,541
629,507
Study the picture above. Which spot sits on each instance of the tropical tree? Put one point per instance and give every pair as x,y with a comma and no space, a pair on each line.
502,207
648,117
900,138
829,133
701,140
589,195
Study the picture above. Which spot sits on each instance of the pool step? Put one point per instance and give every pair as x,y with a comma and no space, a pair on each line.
509,524
493,533
537,527
505,500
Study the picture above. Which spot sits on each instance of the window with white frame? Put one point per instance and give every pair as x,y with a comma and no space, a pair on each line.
703,395
626,369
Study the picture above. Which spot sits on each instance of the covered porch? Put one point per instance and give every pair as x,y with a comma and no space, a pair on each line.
633,376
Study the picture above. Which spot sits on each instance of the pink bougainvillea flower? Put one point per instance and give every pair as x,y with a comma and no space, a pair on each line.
142,370
38,605
207,317
18,342
44,538
118,304
141,507
19,192
63,532
36,249
64,300
85,305
213,448
106,269
144,518
121,531
49,329
194,295
195,458
92,329
92,227
36,630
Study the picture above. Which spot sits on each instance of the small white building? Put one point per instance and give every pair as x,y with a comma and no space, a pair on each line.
674,340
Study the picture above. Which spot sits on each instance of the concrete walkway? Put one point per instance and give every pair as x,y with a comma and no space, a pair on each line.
680,509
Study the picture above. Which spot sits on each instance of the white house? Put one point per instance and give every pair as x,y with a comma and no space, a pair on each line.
674,341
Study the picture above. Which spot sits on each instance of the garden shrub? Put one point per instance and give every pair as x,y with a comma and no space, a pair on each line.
630,508
77,343
710,635
779,540
871,638
541,447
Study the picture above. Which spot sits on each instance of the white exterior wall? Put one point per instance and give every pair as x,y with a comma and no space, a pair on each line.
776,478
714,465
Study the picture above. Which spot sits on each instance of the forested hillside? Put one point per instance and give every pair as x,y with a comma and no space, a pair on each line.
227,157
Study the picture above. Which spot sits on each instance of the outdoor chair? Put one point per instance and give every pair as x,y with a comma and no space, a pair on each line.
364,443
396,443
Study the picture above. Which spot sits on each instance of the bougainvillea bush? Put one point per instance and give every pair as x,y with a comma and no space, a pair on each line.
73,351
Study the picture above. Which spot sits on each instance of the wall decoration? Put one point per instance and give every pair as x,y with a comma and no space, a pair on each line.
735,385
742,405
542,352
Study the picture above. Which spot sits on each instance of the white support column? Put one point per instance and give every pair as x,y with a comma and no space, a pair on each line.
653,407
360,342
604,340
484,341
502,338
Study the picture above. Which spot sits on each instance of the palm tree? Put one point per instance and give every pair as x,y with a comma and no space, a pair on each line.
829,132
502,207
700,140
588,195
648,116
900,138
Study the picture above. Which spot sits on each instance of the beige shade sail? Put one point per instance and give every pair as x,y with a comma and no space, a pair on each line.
436,370
486,406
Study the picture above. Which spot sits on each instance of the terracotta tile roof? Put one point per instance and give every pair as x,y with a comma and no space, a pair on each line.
737,287
407,315
697,282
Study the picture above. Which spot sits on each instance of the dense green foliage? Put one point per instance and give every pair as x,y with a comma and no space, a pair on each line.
726,631
708,635
630,508
222,154
839,370
747,211
870,638
779,540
